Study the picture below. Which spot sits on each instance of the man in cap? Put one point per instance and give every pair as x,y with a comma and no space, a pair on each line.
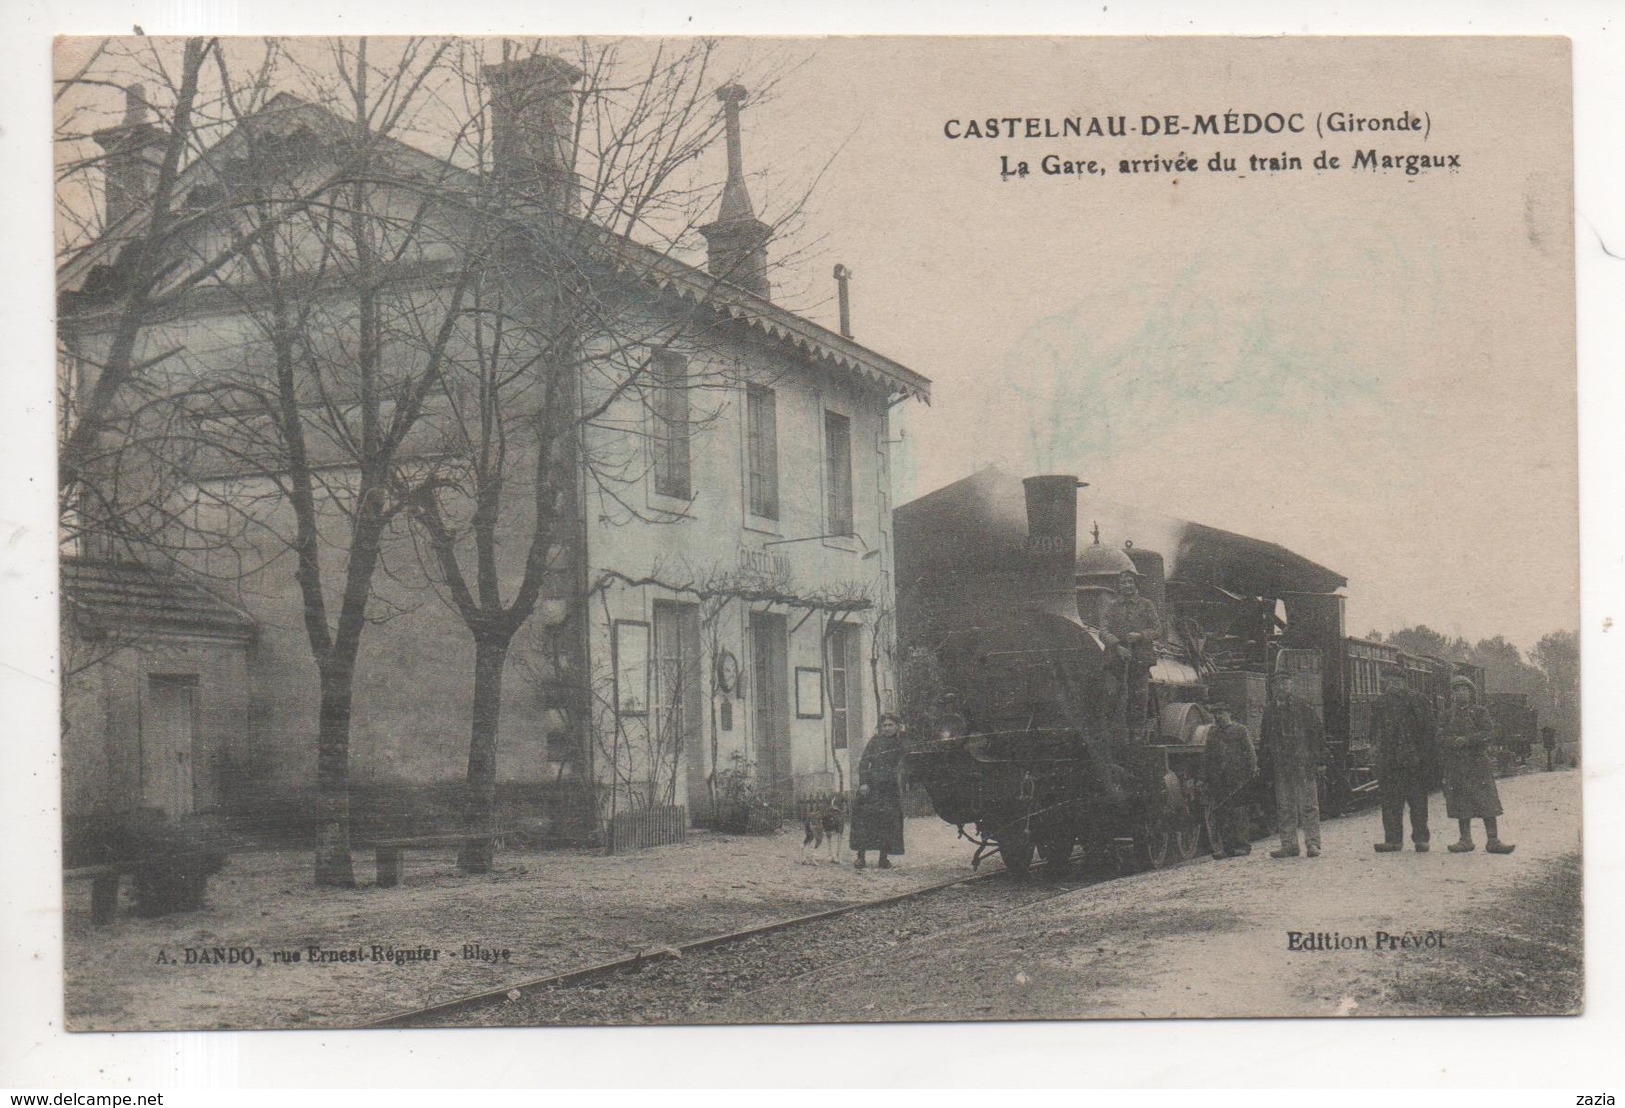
1229,765
1402,731
1469,777
1130,628
1296,743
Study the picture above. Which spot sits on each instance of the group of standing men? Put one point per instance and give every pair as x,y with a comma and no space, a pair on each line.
1414,747
1296,742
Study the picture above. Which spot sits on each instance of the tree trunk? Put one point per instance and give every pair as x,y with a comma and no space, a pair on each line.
490,654
333,866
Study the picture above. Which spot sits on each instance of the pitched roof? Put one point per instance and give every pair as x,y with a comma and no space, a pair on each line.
767,318
288,113
128,596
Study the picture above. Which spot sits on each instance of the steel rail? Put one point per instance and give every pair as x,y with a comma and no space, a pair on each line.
571,977
601,969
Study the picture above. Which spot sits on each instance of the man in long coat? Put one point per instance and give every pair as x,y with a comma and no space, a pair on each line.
1296,743
1402,730
1229,765
877,813
1130,628
1469,776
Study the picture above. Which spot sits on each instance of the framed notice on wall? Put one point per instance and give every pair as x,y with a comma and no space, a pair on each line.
631,667
809,693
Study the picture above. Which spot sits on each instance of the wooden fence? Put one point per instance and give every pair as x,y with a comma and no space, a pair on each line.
646,827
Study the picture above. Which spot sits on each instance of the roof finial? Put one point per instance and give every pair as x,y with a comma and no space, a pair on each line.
736,239
735,197
1097,532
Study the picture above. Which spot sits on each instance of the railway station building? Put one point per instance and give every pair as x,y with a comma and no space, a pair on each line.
716,615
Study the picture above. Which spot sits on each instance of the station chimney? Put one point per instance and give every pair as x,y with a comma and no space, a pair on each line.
134,156
532,118
843,293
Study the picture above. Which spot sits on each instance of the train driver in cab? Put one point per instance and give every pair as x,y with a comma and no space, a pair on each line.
1130,628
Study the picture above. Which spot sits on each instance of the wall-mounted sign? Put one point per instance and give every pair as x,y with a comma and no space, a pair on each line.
631,649
809,693
766,563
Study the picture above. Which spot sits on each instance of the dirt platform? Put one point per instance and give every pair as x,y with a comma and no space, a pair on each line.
539,913
1486,935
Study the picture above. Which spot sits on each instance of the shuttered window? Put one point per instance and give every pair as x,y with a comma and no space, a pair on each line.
845,684
677,678
762,448
669,383
838,472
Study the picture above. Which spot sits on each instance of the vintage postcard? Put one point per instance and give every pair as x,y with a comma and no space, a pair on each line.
573,532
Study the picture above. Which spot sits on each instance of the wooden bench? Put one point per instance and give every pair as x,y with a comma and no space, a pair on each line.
388,851
104,885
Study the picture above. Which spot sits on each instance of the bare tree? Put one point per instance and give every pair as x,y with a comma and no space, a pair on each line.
306,222
573,364
123,270
448,335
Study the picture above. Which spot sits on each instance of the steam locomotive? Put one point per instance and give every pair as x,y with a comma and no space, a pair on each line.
1021,734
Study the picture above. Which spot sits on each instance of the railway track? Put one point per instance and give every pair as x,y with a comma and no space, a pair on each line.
679,983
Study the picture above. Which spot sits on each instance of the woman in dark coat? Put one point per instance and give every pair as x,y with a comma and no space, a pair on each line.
877,813
1469,778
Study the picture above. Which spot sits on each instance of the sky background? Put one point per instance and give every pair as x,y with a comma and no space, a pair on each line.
1374,370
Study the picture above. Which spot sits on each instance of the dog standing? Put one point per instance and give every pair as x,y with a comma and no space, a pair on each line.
825,827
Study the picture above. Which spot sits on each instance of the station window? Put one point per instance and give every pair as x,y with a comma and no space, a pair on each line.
845,684
670,439
762,450
838,472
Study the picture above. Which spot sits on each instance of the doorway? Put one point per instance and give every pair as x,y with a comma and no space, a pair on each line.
168,725
680,701
770,690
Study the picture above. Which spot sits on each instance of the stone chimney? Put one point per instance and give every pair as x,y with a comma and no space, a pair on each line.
134,156
737,240
532,120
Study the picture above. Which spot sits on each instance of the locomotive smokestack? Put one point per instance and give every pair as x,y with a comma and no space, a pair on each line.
1052,541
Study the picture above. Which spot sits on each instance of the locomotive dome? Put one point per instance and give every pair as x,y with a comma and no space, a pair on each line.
1098,560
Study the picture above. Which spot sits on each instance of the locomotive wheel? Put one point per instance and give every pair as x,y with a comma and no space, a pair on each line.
1210,833
1187,840
1017,851
1057,858
1154,847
